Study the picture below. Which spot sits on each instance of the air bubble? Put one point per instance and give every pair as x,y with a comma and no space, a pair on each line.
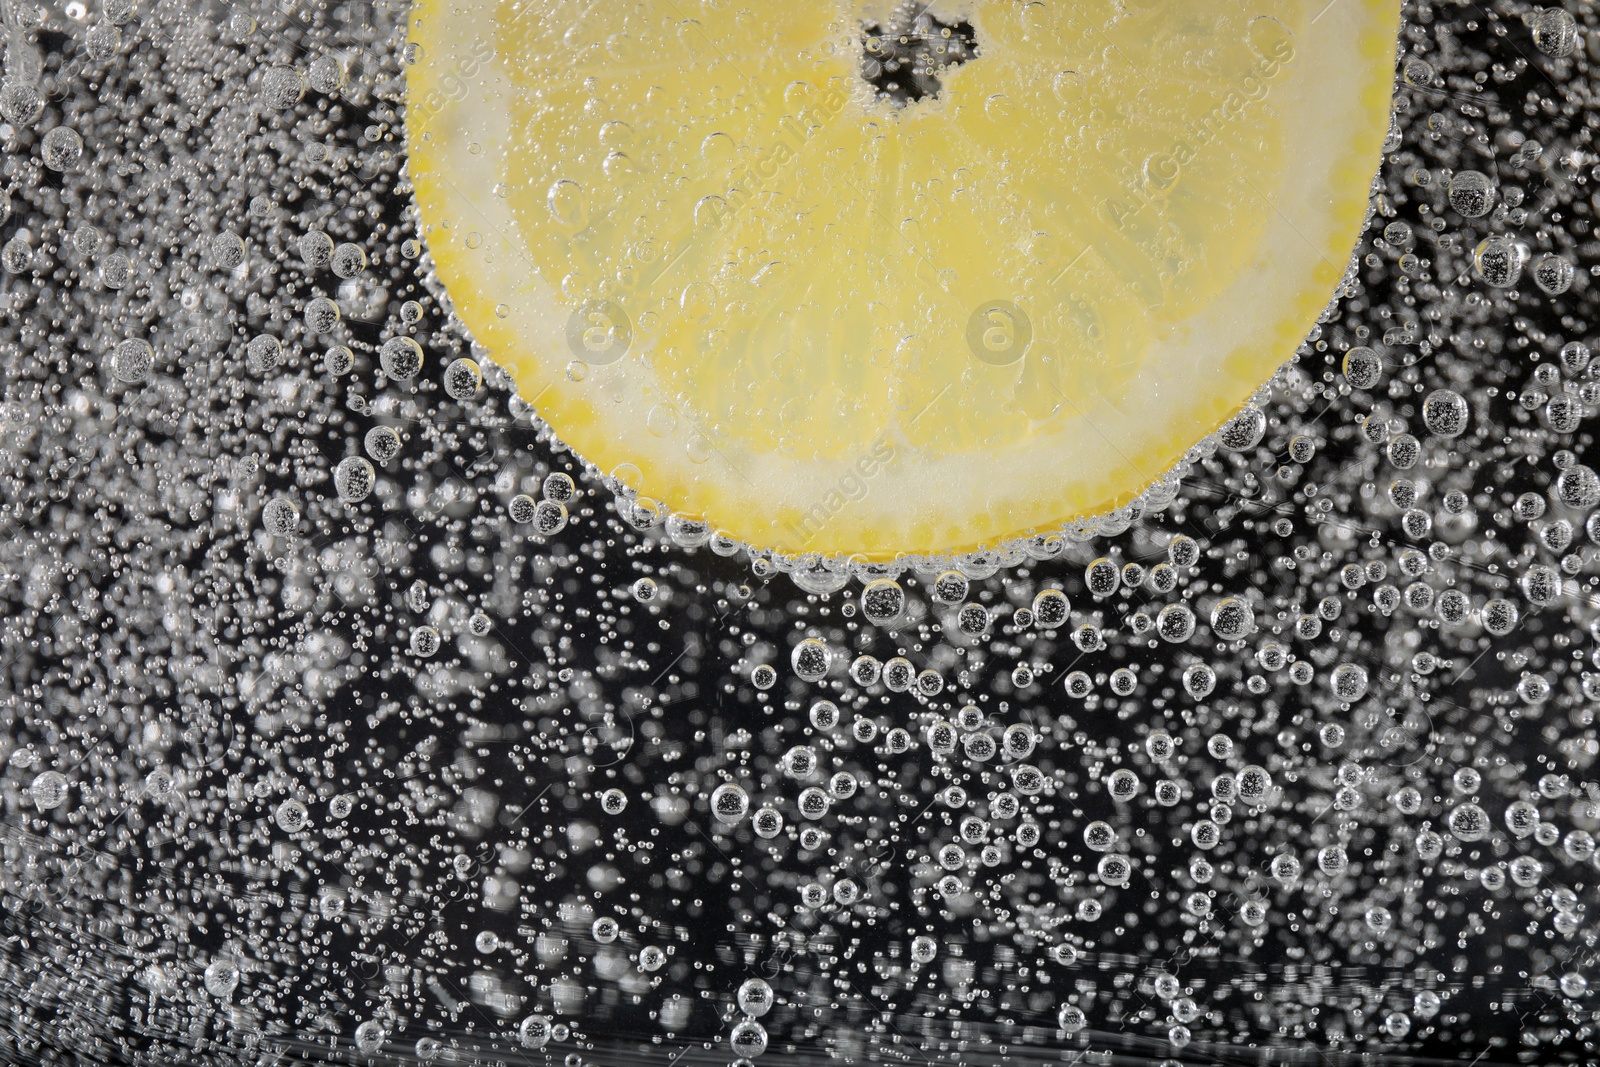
1471,193
61,148
132,361
401,358
354,479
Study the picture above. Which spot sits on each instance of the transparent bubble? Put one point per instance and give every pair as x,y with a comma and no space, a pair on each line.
347,260
87,241
1554,274
1244,431
973,620
1114,870
159,783
729,803
263,353
279,516
316,249
1232,619
326,75
354,479
534,1031
221,977
522,508
48,790
882,601
755,997
282,87
1050,608
1444,411
1575,357
1472,193
132,360
1175,623
767,822
401,358
1541,584
20,101
1102,578
462,379
382,443
115,270
61,148
321,315
16,257
1498,261
1417,71
1555,31
559,488
1578,487
1122,785
811,659
950,587
1469,822
549,518
226,251
425,641
1199,681
291,816
1363,368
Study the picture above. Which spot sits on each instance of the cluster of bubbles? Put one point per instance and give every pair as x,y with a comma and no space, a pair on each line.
348,717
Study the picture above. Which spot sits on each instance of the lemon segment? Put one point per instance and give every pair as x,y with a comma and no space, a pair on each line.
728,273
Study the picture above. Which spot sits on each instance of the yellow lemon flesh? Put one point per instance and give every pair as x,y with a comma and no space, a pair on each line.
732,273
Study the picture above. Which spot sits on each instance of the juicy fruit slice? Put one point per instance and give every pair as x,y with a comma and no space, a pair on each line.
732,275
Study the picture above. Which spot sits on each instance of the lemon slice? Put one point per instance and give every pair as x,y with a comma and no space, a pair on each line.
749,267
